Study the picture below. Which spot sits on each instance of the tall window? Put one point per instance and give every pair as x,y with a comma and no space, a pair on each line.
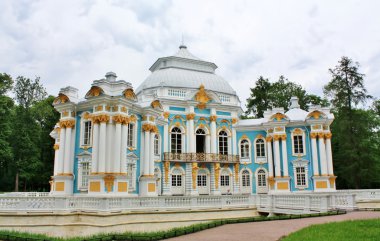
201,180
156,145
261,178
260,148
87,133
131,135
131,174
298,144
245,178
176,180
301,176
223,143
244,149
85,171
176,140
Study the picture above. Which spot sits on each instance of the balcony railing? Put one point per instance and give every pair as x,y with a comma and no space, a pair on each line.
200,157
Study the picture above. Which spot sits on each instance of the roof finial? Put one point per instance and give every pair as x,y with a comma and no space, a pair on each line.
182,46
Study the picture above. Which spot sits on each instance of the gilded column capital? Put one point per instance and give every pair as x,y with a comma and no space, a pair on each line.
104,118
56,146
166,114
119,119
67,123
154,129
126,120
313,135
277,137
190,116
147,127
132,118
213,118
234,121
283,137
269,138
321,135
328,135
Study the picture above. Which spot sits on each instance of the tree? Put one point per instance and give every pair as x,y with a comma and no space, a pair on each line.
26,131
355,141
6,106
268,95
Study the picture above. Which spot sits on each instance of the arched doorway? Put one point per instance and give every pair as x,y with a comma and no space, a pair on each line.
203,182
177,181
225,181
261,183
246,186
200,141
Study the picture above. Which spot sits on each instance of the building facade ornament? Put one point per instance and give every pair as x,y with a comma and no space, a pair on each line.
190,116
213,118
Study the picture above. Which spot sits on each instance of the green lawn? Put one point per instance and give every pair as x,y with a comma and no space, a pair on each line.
339,231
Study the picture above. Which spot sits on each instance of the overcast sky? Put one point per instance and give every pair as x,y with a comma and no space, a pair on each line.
75,42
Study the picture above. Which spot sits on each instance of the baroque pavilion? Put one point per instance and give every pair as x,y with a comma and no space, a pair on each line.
179,133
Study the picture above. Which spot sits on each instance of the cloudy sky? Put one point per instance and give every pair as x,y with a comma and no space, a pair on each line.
73,42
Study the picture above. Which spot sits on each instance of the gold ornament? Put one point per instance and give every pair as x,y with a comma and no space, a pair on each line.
156,104
268,138
313,135
202,97
94,91
101,118
61,99
328,135
213,118
166,168
234,121
129,94
108,182
217,172
56,146
190,116
166,115
194,174
67,123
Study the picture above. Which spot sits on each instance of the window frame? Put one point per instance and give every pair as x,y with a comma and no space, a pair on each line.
263,148
83,131
296,133
131,141
157,145
245,158
178,136
223,149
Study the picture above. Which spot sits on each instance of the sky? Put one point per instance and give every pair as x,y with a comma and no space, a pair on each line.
73,42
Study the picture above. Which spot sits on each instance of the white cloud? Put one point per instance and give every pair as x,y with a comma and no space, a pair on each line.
75,42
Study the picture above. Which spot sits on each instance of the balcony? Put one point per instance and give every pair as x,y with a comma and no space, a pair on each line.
201,157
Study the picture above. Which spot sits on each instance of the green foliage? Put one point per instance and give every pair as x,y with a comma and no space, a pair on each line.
27,92
268,95
6,83
347,230
356,131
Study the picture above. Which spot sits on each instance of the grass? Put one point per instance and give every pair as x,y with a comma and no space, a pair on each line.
19,236
339,231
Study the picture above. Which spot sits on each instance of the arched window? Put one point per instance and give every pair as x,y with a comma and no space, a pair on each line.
223,143
225,179
156,145
244,149
260,148
261,178
176,140
176,178
245,178
200,141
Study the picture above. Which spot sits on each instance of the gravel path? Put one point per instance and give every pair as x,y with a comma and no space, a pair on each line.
269,230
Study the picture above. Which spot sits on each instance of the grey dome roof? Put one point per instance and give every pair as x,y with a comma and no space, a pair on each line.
184,70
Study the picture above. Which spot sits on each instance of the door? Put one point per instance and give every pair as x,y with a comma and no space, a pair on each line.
262,184
225,182
200,141
203,183
178,186
246,182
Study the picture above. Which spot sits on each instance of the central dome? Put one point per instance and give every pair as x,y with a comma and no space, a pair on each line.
185,71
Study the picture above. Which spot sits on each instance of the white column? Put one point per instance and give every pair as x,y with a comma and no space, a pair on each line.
314,152
61,157
234,141
72,149
322,154
151,158
191,136
208,144
285,157
67,151
277,165
117,148
123,150
329,157
102,148
142,152
188,136
270,157
229,147
213,137
109,147
95,147
166,138
146,152
56,159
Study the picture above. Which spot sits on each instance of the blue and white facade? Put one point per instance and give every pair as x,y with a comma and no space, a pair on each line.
179,133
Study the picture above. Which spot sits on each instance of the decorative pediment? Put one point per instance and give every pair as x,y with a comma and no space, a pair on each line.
129,94
156,104
61,99
132,156
94,91
279,117
202,97
316,115
300,162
